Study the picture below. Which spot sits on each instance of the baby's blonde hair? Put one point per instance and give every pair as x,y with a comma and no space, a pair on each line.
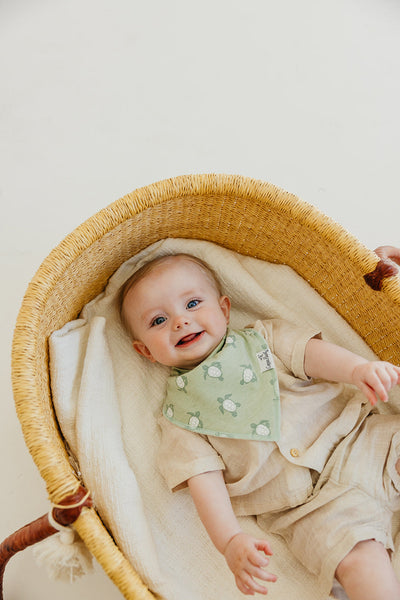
153,264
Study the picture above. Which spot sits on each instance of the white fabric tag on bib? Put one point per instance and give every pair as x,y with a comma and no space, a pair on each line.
265,360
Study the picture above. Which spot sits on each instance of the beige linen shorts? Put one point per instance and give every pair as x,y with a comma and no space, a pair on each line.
355,498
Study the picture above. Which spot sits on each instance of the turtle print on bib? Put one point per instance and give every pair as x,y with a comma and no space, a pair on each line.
233,393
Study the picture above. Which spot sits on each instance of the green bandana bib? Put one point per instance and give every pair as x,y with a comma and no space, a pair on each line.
233,393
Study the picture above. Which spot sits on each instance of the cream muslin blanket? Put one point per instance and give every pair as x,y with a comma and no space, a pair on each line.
107,399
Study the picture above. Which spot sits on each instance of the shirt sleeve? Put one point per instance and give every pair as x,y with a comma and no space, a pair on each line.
287,342
183,454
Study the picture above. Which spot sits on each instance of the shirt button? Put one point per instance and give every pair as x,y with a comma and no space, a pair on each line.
294,452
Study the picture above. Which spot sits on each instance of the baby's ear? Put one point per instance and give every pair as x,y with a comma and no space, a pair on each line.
225,305
143,350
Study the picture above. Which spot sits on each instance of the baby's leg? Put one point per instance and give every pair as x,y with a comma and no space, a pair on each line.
366,573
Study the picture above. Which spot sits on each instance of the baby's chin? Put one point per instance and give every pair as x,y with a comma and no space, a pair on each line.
190,362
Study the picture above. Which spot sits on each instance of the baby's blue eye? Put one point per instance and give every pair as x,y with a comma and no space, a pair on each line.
158,321
193,303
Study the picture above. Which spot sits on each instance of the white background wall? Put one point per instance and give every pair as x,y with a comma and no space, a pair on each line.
98,98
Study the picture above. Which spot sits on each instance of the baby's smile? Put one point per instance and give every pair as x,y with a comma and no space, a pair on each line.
190,338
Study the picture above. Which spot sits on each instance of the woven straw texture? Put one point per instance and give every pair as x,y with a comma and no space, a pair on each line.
251,217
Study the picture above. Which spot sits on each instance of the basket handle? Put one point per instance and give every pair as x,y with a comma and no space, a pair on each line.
384,268
65,513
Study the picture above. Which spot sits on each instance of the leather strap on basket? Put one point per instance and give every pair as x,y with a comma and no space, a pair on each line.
384,268
65,514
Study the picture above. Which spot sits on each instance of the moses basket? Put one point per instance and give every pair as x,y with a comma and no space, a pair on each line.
251,217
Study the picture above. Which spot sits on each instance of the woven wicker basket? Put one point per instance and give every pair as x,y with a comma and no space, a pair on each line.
248,216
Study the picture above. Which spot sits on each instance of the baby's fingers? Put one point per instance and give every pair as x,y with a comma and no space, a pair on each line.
243,588
258,562
396,373
394,376
369,392
385,378
378,391
249,587
247,584
262,574
263,546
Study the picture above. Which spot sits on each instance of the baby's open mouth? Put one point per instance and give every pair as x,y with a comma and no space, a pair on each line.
188,339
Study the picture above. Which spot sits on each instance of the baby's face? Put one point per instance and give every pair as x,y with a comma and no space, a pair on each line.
176,314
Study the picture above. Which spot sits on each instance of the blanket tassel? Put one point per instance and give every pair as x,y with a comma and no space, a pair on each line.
65,560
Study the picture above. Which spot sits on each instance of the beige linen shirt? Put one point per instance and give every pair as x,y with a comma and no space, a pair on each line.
263,476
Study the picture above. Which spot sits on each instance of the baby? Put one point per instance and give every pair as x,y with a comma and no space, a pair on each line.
307,457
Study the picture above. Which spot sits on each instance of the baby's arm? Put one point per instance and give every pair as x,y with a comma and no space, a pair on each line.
242,552
328,361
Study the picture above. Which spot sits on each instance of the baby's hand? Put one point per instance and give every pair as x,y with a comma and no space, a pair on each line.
389,252
375,379
246,561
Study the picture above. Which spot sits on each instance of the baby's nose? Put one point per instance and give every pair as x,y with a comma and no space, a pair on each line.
180,321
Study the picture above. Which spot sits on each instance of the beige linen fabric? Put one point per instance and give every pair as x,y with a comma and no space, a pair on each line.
356,498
